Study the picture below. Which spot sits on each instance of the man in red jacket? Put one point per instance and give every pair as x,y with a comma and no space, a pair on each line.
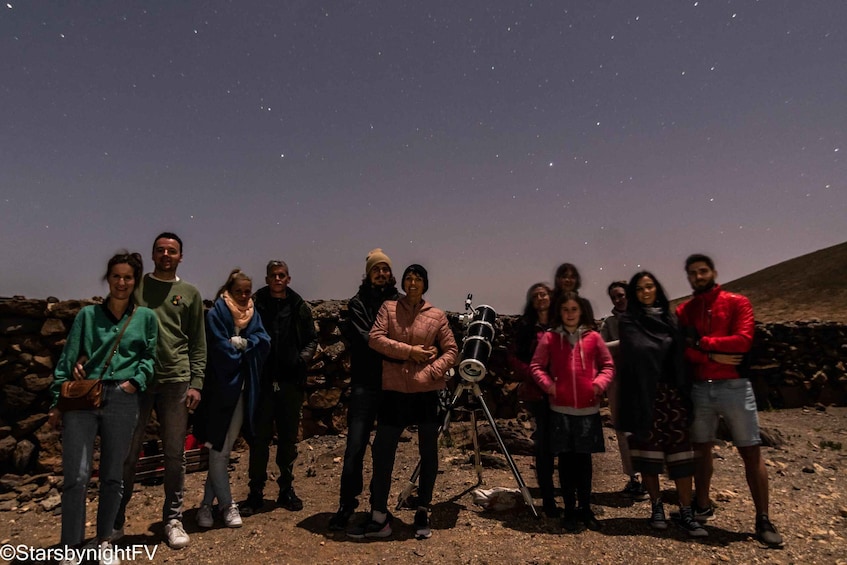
720,327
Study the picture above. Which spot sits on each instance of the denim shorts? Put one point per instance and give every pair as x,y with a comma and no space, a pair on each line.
734,401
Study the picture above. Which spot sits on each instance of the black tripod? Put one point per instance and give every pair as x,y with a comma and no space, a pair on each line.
473,389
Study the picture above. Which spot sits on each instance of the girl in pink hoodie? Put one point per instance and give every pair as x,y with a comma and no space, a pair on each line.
573,366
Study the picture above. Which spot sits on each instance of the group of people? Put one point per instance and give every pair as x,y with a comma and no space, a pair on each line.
668,375
241,368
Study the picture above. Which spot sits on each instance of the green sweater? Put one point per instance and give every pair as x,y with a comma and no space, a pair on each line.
181,352
93,334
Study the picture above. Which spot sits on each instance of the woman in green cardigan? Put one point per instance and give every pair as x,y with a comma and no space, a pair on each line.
92,338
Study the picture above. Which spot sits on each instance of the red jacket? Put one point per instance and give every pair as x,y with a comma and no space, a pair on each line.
725,324
568,373
398,327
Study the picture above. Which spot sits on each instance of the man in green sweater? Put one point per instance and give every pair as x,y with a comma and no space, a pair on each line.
177,381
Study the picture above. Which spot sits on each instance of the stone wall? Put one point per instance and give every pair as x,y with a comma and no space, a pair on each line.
793,365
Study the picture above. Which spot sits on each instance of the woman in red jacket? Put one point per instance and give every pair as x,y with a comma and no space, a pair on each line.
419,348
573,366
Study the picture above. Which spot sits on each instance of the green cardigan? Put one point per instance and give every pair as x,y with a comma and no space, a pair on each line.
93,334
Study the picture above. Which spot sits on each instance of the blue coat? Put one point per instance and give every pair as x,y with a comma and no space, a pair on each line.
228,372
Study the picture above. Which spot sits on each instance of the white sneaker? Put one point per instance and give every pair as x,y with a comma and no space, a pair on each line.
205,519
231,516
107,554
175,534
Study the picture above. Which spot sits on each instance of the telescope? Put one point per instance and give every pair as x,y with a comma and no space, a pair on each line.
476,350
478,341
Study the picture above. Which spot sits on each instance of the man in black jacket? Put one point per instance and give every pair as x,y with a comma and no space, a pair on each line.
288,320
378,285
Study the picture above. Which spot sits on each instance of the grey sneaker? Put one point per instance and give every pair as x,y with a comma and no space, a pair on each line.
703,514
657,516
175,534
689,524
231,516
205,519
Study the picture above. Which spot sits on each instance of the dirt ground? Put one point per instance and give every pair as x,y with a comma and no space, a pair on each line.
808,505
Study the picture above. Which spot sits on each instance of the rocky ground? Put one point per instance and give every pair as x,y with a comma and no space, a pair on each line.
808,504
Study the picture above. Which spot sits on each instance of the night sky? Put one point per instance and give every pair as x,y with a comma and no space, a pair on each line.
487,140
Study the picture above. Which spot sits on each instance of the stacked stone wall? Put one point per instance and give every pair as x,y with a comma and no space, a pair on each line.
792,365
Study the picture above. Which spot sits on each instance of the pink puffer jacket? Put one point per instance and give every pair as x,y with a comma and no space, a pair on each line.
399,325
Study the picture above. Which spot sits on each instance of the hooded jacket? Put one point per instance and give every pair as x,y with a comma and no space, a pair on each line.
568,372
399,325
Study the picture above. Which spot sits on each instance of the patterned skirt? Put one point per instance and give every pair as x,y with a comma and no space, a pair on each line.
669,442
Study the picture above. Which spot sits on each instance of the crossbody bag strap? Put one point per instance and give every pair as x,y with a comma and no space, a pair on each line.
115,347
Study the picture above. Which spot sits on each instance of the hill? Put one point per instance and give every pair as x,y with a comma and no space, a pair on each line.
812,286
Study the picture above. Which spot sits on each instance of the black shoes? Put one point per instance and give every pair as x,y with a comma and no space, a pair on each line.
422,529
371,528
339,520
635,490
254,503
551,510
766,532
289,500
589,519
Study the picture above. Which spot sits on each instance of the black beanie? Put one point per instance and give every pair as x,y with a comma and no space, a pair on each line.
418,270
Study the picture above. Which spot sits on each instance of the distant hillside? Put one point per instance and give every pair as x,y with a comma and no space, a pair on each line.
806,287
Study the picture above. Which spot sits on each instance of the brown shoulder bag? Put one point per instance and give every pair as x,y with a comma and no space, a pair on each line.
87,394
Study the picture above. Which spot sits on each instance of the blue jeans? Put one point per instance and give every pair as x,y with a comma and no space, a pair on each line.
172,413
217,479
114,421
731,399
361,415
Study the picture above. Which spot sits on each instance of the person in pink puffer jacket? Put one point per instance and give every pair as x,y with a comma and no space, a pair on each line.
573,367
419,348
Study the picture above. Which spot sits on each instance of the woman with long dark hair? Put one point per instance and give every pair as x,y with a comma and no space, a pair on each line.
567,279
114,341
531,326
655,399
237,345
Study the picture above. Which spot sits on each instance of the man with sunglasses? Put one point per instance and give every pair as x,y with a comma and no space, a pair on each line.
288,320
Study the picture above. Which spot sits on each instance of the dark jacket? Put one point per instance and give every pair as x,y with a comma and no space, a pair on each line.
365,363
290,324
228,372
652,349
519,357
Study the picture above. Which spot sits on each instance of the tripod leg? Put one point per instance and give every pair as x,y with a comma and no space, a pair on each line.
477,460
517,474
413,480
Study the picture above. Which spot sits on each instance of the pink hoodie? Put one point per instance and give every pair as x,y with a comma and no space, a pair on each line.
567,373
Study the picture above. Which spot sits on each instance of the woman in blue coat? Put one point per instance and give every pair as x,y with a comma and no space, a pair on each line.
237,345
